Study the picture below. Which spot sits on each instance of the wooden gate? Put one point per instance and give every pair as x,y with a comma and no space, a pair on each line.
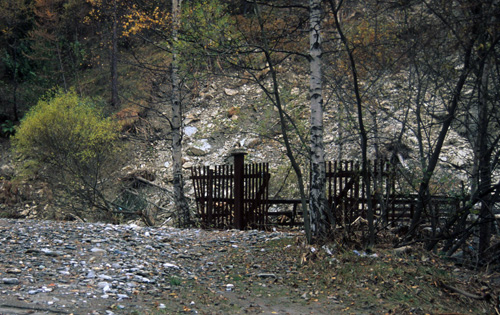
347,195
232,196
348,199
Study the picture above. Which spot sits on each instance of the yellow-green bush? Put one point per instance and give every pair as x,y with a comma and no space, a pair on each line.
68,141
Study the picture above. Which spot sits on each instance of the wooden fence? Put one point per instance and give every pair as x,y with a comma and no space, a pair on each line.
348,199
232,195
236,196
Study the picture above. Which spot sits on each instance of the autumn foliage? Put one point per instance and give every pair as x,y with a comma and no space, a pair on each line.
67,141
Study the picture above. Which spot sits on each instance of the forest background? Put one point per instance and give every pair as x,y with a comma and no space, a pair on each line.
413,82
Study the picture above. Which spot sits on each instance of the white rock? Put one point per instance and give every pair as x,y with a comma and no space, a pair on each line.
190,130
230,92
169,265
122,296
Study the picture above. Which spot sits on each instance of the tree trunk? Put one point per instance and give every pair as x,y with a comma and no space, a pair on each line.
423,190
181,205
15,107
61,65
484,163
362,131
317,195
276,97
115,101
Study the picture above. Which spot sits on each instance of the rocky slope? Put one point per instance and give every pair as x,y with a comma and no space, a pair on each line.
226,113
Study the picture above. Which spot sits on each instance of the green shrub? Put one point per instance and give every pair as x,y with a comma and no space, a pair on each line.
7,128
67,141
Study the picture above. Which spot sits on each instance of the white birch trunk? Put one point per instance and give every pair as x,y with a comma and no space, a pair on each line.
317,197
115,101
181,205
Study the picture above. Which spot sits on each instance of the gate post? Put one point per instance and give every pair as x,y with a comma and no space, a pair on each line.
239,188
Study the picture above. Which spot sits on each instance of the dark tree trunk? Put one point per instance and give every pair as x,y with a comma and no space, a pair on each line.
484,163
362,131
423,190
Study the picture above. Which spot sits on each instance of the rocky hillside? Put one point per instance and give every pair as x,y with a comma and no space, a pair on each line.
226,113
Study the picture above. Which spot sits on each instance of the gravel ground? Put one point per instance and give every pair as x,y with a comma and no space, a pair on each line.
51,267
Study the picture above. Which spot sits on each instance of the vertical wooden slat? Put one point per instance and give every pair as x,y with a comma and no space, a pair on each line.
230,169
210,193
221,203
258,182
196,186
250,211
344,183
266,200
214,193
252,207
354,191
253,212
229,206
239,170
222,208
203,193
363,197
339,189
220,196
228,175
221,183
248,192
207,184
202,182
385,188
357,193
255,196
341,182
260,210
351,168
229,183
344,209
221,216
265,194
334,196
329,177
217,212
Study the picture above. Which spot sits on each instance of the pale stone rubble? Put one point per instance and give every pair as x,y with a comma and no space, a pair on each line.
70,266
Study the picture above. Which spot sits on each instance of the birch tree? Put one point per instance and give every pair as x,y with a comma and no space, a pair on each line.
181,205
115,101
317,195
159,28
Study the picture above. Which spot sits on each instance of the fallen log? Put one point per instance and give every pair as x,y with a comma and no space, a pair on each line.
465,293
